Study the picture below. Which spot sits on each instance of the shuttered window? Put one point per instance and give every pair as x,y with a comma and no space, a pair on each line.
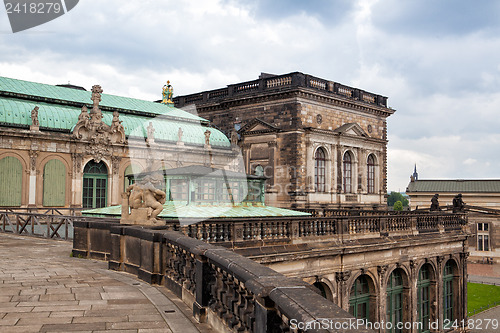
11,181
54,184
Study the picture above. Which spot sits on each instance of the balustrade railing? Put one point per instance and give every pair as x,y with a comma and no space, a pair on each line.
274,83
289,230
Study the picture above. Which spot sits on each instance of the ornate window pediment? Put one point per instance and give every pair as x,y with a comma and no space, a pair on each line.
351,129
258,126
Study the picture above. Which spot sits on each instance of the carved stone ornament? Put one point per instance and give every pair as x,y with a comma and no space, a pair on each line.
116,164
77,162
342,276
91,129
382,270
33,156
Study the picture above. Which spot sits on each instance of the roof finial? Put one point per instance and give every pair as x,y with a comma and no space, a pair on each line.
168,93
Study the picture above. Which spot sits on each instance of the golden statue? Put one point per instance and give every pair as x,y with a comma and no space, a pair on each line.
168,93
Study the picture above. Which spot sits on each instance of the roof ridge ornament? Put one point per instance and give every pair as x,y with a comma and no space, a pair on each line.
167,93
92,129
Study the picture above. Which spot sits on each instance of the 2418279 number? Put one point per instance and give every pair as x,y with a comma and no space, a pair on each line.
33,8
476,324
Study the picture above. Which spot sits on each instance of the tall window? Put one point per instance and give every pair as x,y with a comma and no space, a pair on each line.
11,180
448,290
347,168
95,185
395,300
371,174
54,184
319,170
179,189
483,237
359,299
423,297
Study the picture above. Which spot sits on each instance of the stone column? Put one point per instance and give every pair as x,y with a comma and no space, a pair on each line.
76,180
32,179
115,181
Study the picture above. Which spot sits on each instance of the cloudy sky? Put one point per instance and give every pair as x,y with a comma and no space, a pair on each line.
437,61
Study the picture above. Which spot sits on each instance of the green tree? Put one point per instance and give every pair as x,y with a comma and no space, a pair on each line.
398,206
396,196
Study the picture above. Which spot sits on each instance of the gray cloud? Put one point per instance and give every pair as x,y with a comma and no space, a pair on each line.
436,61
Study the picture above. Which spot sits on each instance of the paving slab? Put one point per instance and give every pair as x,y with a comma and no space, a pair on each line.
43,289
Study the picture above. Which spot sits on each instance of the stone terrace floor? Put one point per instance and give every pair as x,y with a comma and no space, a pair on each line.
43,289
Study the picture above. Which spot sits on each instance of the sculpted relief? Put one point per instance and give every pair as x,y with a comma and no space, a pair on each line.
90,128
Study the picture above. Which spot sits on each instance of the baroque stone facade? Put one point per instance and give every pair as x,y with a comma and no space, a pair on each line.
65,156
321,144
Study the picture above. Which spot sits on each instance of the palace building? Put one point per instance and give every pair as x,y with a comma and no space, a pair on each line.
482,203
322,145
63,146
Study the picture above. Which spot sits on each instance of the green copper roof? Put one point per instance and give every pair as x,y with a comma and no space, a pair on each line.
64,117
455,186
179,209
55,94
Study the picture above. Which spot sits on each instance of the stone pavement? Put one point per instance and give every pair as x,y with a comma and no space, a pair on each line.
43,289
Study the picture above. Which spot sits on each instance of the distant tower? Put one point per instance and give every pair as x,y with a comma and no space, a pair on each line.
415,174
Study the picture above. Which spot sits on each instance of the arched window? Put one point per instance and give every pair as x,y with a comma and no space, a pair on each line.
359,298
371,174
347,168
319,169
395,300
323,289
448,291
423,297
11,181
95,185
54,184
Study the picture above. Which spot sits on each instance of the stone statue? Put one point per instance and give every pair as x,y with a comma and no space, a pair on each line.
145,202
34,117
234,138
151,133
179,134
458,203
207,137
435,203
167,93
117,130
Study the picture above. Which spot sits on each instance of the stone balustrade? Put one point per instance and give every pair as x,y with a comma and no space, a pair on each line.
236,232
280,82
230,292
